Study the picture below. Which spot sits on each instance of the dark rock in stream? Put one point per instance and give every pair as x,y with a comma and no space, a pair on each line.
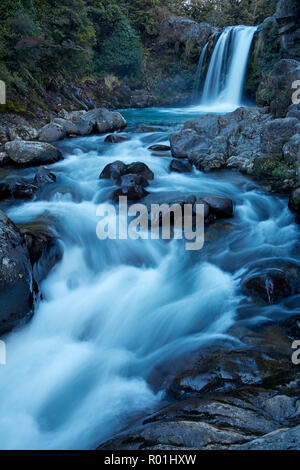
159,148
44,176
274,285
44,250
16,281
26,257
180,167
116,138
118,169
221,207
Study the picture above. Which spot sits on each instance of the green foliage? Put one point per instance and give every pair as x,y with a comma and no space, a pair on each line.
229,12
120,52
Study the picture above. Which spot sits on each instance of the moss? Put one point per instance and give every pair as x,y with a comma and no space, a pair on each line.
274,170
15,107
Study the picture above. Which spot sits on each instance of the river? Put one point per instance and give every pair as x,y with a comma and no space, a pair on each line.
114,312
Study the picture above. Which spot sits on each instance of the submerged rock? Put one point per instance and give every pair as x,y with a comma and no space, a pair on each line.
180,167
273,285
26,153
116,138
44,176
159,148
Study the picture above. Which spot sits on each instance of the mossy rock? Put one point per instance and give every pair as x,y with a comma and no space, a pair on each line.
281,175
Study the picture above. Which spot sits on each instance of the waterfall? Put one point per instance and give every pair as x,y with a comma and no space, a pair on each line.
227,69
197,82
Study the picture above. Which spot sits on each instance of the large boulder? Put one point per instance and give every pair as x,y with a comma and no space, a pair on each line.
26,257
26,153
210,141
16,290
52,132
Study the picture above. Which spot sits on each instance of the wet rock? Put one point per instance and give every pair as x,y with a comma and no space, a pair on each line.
221,207
116,138
44,176
180,167
170,198
118,169
274,285
160,154
16,294
44,250
26,153
159,148
5,191
22,188
108,121
113,171
132,186
139,168
52,132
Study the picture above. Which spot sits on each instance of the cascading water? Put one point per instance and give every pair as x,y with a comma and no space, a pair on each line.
197,82
227,69
115,312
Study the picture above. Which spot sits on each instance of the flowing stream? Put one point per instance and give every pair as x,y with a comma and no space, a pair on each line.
115,312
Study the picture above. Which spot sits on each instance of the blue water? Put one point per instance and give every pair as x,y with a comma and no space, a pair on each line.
115,312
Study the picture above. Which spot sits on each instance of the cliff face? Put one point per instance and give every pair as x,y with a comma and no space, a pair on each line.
277,38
